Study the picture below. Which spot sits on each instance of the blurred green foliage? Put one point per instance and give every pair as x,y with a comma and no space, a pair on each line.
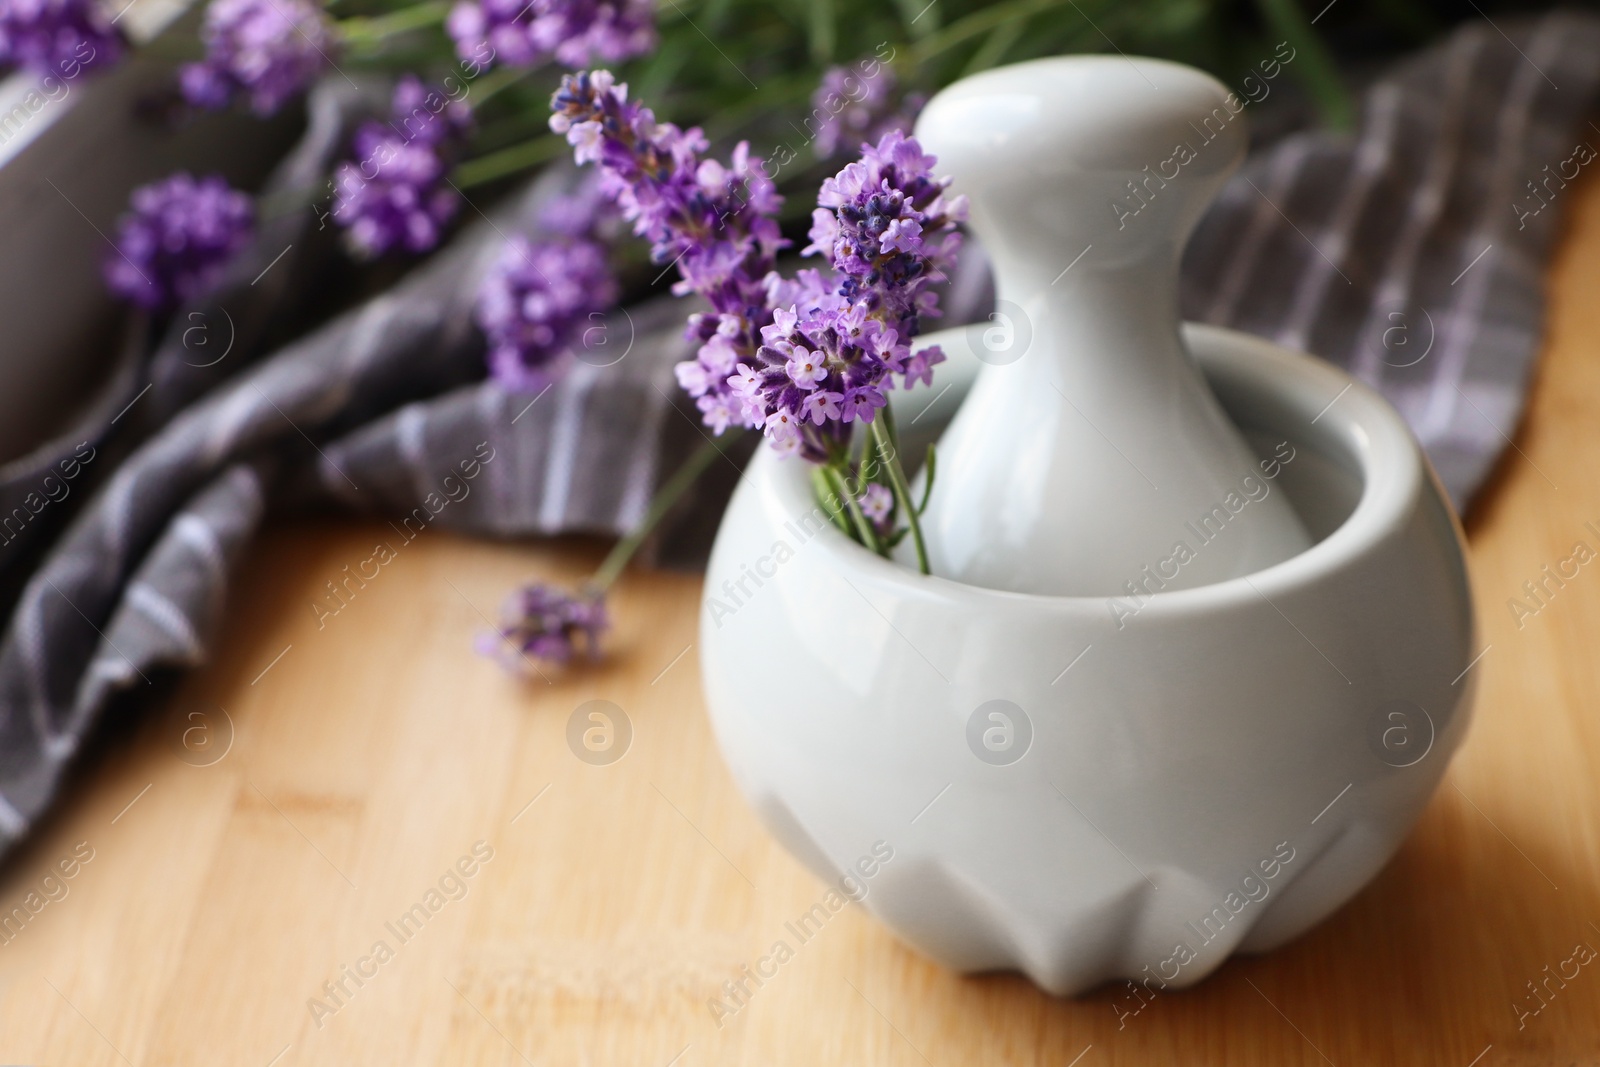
747,68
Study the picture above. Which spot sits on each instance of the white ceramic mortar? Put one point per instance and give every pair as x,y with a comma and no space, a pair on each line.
1176,755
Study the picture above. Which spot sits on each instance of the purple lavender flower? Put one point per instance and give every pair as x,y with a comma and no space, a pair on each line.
521,33
61,38
178,239
425,115
394,198
801,359
827,359
395,194
855,106
269,50
716,223
535,305
545,622
587,211
877,504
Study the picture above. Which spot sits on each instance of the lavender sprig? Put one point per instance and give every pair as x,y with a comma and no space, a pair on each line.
545,621
536,303
265,50
863,104
177,240
59,38
716,223
395,195
827,360
521,33
548,623
802,359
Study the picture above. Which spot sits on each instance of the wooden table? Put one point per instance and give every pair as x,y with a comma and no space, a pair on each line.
225,901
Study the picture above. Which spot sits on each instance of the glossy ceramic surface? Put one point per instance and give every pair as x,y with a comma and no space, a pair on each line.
1086,788
1089,438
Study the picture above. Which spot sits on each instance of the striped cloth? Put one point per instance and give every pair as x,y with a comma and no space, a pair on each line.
1408,254
1412,254
142,389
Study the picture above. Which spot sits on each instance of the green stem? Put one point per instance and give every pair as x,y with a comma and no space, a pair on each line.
1313,65
287,202
506,161
995,46
979,22
919,21
823,488
930,467
370,29
496,80
671,490
883,432
776,96
841,489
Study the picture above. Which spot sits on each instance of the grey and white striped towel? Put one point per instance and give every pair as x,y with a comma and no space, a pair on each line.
143,389
1408,254
1318,243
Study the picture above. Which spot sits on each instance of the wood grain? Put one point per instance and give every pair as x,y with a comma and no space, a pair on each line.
370,754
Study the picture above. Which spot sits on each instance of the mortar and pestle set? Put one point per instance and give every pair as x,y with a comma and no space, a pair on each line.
1190,661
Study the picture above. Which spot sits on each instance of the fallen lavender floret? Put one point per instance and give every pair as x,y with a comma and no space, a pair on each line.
547,623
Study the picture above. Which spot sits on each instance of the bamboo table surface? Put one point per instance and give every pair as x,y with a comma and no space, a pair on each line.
215,888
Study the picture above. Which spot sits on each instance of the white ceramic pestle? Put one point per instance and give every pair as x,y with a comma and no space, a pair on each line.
1090,453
